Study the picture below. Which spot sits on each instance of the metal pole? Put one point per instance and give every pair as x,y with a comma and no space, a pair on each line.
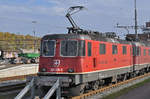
135,20
34,41
34,22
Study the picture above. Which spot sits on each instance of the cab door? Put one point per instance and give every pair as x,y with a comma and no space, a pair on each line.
115,55
89,58
92,54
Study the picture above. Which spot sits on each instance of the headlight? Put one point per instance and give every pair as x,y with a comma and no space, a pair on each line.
43,69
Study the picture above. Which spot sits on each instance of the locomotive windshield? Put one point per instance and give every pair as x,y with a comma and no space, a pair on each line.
48,48
69,48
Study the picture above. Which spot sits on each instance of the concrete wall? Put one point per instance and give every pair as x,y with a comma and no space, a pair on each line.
23,69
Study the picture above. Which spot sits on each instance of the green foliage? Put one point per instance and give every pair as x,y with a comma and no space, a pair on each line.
11,41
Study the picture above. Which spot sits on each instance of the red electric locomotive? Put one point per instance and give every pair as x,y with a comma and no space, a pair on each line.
86,59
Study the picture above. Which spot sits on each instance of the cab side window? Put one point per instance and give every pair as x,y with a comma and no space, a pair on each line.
149,52
144,52
136,51
81,50
89,49
124,50
102,48
114,49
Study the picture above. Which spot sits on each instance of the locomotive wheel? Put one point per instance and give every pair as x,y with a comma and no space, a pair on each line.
133,75
95,85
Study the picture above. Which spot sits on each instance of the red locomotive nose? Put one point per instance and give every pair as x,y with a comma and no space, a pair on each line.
63,65
62,56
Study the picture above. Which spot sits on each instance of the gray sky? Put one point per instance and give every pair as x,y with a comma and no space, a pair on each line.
16,16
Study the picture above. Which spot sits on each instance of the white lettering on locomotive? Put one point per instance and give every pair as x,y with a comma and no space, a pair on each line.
56,69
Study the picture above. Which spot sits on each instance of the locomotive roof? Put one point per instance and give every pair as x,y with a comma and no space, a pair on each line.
92,37
65,36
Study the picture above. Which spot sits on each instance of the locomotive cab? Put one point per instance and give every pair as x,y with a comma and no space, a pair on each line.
61,54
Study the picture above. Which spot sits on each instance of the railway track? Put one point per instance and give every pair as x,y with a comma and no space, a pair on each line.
109,88
11,86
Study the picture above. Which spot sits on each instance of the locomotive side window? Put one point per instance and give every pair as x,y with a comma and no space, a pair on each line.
149,52
133,50
89,49
69,48
48,48
81,49
102,48
114,49
124,50
144,52
136,51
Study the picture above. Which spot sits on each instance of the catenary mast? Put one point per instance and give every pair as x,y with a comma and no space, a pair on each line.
136,25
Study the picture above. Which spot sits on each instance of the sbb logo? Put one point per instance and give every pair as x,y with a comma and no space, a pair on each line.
56,63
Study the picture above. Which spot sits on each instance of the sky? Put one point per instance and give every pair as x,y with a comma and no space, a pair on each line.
16,16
